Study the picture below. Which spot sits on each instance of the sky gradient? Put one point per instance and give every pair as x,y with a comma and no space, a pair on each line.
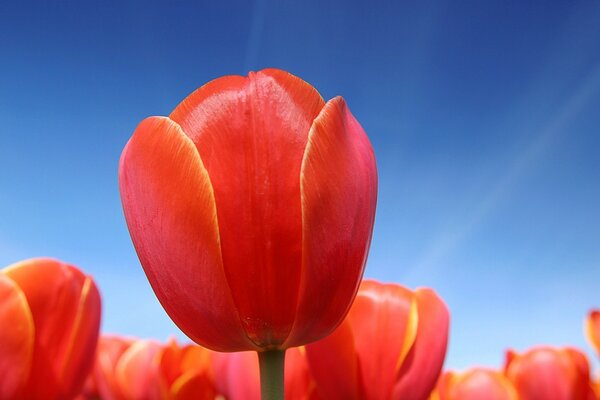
484,117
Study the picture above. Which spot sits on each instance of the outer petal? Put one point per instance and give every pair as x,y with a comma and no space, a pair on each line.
65,306
170,211
251,134
480,383
592,330
339,191
422,367
384,323
16,339
334,365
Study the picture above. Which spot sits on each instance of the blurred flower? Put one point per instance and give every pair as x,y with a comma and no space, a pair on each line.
49,319
391,345
474,384
128,369
592,330
237,376
251,208
545,373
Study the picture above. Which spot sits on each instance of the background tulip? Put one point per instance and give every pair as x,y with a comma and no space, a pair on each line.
592,330
237,376
546,373
392,344
128,369
50,317
251,208
474,384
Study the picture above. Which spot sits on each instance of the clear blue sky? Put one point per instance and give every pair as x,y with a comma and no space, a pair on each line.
484,116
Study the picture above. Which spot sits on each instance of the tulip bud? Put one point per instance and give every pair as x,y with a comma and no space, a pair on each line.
474,384
546,373
392,344
50,318
128,369
592,330
251,208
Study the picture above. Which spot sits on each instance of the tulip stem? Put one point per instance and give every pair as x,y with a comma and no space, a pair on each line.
271,363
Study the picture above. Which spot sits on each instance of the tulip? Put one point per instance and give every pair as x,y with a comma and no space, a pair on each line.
474,384
547,373
592,330
251,208
128,369
237,376
391,345
50,318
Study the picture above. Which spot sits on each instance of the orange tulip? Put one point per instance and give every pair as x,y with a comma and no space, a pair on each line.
474,384
50,317
391,345
237,376
251,208
144,369
592,330
546,373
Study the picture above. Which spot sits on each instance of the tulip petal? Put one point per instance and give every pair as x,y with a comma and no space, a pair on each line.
137,372
478,384
251,134
339,190
65,306
170,210
422,367
384,319
16,339
193,386
547,374
334,365
110,350
592,330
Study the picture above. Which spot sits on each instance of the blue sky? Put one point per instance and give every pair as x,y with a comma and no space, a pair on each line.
484,117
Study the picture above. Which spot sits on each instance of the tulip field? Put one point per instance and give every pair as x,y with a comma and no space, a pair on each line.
251,208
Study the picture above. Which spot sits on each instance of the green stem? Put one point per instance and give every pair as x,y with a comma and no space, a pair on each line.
271,363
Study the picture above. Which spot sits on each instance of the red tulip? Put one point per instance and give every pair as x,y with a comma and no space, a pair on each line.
144,369
237,376
391,345
545,373
592,330
49,318
474,384
251,209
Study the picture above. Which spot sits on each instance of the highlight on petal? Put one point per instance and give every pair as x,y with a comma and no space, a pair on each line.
169,206
65,306
592,330
251,134
16,339
339,192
